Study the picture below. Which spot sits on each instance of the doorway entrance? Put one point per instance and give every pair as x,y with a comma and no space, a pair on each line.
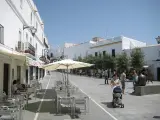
5,78
27,76
36,73
19,73
158,73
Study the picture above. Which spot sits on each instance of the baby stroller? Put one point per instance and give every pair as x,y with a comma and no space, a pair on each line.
117,97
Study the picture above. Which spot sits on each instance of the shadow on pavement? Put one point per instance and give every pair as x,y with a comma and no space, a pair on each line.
47,107
108,104
50,94
157,117
103,84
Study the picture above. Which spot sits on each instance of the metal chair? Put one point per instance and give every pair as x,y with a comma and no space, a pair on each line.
82,103
66,102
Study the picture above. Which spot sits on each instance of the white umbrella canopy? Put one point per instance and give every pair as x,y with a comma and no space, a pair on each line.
66,64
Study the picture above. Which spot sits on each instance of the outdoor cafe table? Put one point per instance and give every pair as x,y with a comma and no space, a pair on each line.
8,109
63,95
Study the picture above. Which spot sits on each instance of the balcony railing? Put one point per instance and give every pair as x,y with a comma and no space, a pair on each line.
1,34
46,45
30,49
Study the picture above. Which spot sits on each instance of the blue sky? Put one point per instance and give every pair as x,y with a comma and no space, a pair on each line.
80,20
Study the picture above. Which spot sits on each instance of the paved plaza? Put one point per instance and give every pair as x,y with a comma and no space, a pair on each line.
136,107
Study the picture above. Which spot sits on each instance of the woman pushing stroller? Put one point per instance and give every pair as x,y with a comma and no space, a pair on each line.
117,94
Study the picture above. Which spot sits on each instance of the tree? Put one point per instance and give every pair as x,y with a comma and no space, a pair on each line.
79,58
122,62
108,61
137,59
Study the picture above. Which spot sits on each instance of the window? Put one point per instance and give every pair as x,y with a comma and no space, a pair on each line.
20,36
18,72
42,36
31,41
26,37
1,34
99,54
42,53
36,25
113,52
21,4
12,74
31,18
51,54
96,54
104,53
36,46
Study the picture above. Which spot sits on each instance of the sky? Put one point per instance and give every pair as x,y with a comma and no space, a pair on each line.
77,21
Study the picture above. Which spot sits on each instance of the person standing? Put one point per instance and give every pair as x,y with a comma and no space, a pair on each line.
114,75
123,79
106,76
135,78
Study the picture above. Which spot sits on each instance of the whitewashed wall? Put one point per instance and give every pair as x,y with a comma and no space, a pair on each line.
11,23
108,48
13,16
129,43
118,43
76,51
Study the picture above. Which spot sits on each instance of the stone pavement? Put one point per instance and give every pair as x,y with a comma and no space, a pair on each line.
136,107
45,110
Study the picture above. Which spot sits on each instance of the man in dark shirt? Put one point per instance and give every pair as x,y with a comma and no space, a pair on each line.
141,79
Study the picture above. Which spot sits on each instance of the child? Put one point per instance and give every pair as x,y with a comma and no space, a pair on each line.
116,87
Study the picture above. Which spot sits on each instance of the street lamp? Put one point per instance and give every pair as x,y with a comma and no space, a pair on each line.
45,51
32,29
158,39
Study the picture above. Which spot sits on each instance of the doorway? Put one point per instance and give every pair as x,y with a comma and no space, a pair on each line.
27,76
37,73
5,78
158,74
19,73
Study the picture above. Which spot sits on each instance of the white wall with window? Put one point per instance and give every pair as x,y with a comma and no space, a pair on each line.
15,14
109,48
113,45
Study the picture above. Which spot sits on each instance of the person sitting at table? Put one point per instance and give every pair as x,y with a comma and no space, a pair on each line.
20,87
14,87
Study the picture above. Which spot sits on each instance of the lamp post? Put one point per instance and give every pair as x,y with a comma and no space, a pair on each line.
32,29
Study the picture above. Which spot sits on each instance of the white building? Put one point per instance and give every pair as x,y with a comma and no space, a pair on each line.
115,46
101,46
19,20
152,58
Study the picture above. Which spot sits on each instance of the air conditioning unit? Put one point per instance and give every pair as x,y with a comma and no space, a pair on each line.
20,46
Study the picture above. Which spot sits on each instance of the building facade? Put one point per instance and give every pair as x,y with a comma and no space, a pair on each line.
151,58
115,46
101,46
22,33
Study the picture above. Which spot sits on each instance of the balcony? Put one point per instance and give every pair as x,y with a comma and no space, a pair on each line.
45,59
29,49
46,45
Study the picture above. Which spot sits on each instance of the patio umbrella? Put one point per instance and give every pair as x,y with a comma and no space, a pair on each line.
66,64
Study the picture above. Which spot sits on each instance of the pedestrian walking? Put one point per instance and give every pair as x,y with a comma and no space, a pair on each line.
123,79
135,79
106,76
114,75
